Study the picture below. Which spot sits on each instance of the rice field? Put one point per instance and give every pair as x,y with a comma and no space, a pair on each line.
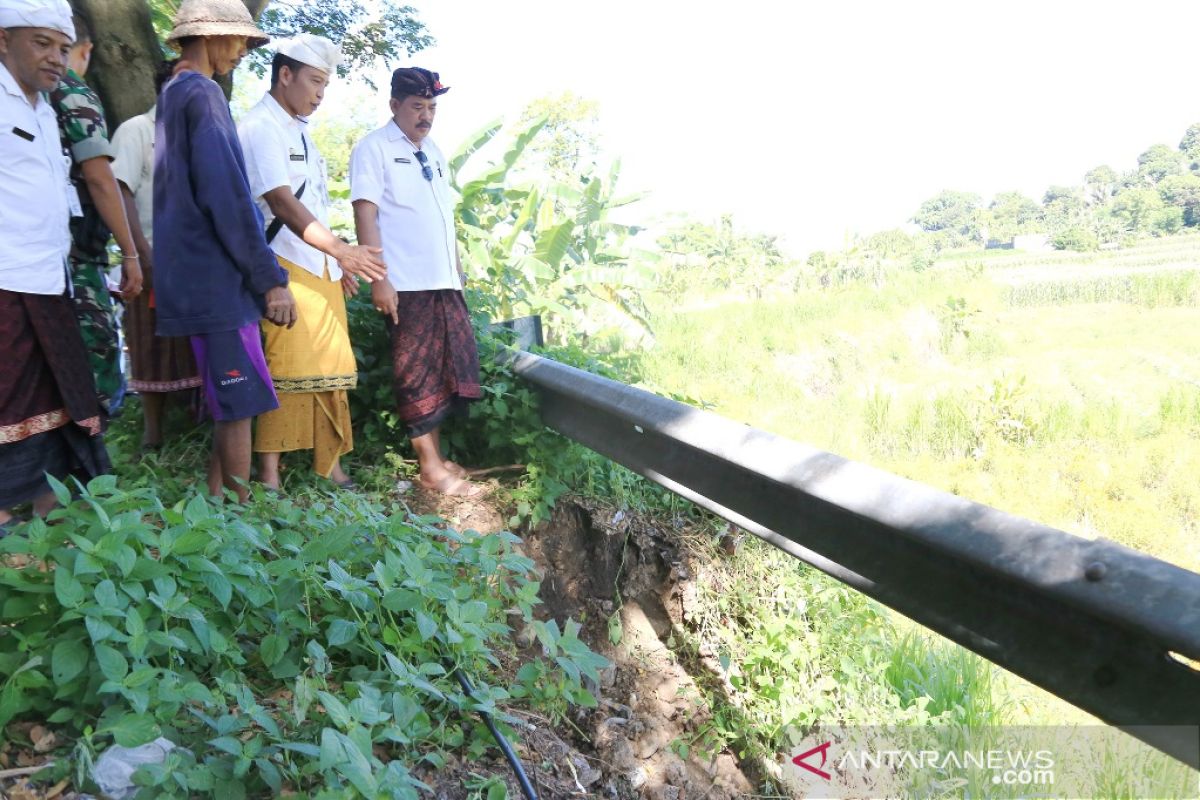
1060,387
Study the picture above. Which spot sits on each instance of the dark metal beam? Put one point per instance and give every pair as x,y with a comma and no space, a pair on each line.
1091,621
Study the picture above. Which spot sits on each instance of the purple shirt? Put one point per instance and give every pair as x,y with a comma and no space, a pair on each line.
212,264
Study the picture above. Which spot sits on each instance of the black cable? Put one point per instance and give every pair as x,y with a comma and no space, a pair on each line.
505,747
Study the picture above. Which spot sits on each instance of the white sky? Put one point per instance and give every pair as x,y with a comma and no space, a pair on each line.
813,120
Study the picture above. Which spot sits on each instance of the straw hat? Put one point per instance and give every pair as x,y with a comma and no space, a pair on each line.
216,18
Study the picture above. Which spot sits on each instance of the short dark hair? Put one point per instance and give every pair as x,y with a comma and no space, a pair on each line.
83,31
279,62
163,74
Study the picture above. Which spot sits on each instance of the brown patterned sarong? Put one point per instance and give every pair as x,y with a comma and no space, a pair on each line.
435,365
50,418
156,363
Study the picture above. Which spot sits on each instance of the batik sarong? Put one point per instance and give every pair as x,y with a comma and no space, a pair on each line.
435,364
50,417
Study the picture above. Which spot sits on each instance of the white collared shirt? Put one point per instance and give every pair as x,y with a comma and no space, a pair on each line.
275,145
34,200
133,165
416,216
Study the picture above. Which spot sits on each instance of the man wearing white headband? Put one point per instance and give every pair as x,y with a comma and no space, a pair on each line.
50,419
312,365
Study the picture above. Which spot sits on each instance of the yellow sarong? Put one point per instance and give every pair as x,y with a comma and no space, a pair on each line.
312,367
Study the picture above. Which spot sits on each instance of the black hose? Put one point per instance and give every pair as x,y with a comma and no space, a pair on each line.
505,747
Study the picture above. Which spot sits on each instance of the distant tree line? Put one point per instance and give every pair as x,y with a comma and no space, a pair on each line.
1160,197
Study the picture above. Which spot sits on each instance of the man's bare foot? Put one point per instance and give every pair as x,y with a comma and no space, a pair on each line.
451,485
456,469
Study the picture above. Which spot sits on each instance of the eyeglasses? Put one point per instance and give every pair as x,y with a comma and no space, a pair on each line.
426,170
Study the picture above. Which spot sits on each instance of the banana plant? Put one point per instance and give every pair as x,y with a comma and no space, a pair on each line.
539,246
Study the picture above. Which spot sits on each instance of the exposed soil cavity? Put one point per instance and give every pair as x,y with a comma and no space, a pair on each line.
596,560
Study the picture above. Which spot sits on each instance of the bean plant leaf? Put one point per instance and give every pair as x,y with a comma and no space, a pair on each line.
68,659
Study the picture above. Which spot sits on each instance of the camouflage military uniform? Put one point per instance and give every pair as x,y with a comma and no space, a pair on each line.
85,135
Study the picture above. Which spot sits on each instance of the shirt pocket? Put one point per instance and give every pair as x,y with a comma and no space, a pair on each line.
18,146
404,180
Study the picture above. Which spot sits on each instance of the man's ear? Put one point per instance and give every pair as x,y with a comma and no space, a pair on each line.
3,41
394,105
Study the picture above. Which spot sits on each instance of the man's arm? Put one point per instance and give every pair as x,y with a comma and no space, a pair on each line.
107,196
361,260
223,193
144,250
366,229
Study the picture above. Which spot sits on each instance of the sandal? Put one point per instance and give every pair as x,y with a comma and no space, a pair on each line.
452,486
349,485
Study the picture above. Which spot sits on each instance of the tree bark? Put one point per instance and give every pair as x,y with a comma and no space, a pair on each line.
127,55
125,58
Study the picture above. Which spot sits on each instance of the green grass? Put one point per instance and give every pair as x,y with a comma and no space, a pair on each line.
1083,415
1064,388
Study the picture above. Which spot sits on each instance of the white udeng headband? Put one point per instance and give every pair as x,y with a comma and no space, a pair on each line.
52,14
315,51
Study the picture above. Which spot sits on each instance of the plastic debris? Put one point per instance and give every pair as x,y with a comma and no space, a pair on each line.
114,769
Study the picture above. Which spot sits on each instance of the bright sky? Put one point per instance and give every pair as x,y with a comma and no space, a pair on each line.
816,119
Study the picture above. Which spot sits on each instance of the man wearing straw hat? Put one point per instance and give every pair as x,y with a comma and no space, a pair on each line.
215,275
50,417
311,364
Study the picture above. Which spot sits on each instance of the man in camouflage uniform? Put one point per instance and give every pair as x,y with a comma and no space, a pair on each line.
101,210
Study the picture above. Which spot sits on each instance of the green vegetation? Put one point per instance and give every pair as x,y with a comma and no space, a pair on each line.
1082,418
301,645
1043,385
309,643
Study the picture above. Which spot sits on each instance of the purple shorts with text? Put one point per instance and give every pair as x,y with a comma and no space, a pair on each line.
237,384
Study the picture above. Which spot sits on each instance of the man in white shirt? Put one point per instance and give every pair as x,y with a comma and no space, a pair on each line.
50,418
312,365
399,184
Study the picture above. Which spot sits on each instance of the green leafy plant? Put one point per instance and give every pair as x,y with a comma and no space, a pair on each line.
548,247
311,648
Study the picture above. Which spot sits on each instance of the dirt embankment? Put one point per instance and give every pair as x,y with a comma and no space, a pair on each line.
596,561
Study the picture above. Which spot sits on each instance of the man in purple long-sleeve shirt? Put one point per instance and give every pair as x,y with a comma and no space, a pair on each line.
215,276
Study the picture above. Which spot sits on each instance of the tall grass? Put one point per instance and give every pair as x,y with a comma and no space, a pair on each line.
1072,398
1147,289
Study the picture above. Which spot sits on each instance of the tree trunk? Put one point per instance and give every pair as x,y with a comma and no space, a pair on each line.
125,58
127,55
